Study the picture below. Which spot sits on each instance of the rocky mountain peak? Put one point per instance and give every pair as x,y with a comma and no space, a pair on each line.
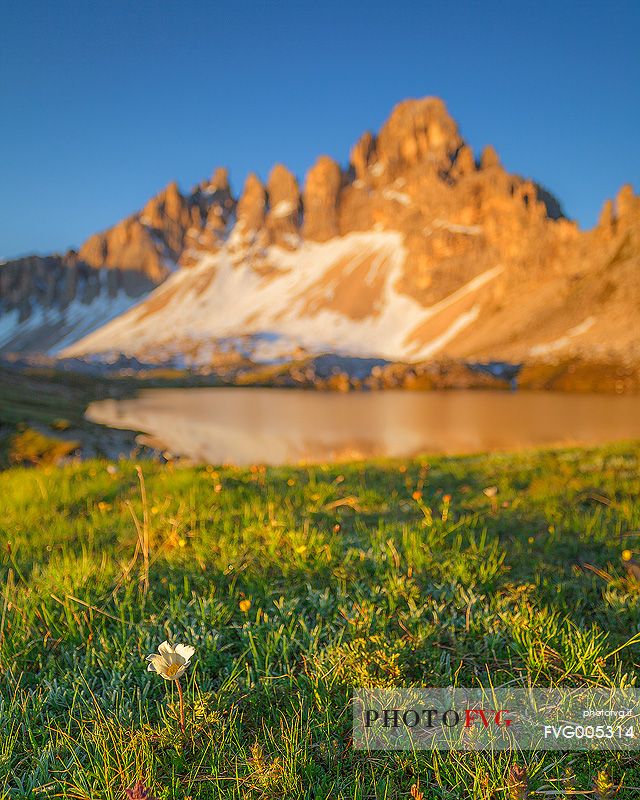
220,180
417,132
607,219
363,155
321,191
283,218
626,202
216,207
427,246
129,245
465,162
168,204
489,158
252,205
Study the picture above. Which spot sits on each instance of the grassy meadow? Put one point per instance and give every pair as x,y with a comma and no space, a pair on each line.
295,585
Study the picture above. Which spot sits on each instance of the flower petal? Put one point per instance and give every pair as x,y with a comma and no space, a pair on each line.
174,658
156,663
185,650
165,649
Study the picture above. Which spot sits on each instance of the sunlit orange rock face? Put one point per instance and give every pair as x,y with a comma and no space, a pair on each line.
321,195
489,256
282,219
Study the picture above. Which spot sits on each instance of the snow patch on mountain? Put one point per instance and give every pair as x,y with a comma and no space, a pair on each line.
58,327
563,341
399,197
338,296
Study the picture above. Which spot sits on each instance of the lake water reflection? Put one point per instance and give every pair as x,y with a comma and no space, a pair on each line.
283,426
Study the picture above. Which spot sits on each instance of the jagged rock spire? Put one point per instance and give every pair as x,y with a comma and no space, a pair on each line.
321,191
284,206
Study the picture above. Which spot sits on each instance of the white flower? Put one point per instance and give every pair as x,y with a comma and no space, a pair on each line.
171,662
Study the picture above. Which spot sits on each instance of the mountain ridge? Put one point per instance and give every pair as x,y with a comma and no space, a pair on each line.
416,250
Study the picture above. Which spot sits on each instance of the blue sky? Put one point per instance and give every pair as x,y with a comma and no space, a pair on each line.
103,103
